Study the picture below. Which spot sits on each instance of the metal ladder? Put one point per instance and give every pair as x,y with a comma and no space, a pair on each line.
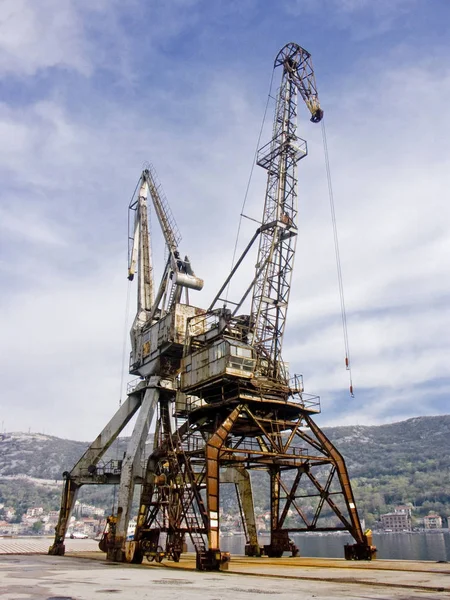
188,498
193,526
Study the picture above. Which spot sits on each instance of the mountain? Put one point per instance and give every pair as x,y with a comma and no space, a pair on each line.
31,467
37,455
405,462
44,456
399,463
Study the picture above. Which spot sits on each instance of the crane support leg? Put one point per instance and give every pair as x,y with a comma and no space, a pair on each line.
103,441
69,496
132,466
363,549
84,472
241,478
279,538
213,447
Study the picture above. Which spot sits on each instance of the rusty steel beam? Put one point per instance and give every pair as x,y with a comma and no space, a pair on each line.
213,448
344,479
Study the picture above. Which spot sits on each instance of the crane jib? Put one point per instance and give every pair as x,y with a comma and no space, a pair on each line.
278,237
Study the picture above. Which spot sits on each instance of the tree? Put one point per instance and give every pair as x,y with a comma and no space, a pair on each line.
37,526
18,516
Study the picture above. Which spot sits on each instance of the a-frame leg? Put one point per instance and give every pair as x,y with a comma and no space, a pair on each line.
363,548
241,478
132,467
84,472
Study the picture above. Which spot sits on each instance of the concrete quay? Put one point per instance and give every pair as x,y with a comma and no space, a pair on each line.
83,574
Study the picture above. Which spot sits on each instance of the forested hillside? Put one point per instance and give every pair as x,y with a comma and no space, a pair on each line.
398,463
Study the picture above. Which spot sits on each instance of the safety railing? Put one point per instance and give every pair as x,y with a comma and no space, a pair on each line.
133,384
309,402
251,445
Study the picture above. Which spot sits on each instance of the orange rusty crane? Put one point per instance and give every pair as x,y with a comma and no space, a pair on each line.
237,410
225,406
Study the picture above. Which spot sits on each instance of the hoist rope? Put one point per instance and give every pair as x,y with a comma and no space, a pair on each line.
250,179
338,259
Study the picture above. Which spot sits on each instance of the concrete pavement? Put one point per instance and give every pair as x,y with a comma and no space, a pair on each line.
26,572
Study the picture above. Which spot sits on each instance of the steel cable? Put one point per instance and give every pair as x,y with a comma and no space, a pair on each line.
338,259
250,179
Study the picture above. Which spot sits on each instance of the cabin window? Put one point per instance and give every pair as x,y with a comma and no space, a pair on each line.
241,352
218,351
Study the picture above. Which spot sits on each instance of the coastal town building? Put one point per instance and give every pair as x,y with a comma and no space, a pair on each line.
396,521
432,521
403,508
35,511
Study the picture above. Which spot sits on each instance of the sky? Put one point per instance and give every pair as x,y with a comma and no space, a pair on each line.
90,90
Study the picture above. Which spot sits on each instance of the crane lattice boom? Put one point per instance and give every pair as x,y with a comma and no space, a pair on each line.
279,228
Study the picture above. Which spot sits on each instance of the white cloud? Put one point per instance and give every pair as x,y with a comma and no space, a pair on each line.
61,353
66,306
40,35
68,174
30,227
363,18
391,168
